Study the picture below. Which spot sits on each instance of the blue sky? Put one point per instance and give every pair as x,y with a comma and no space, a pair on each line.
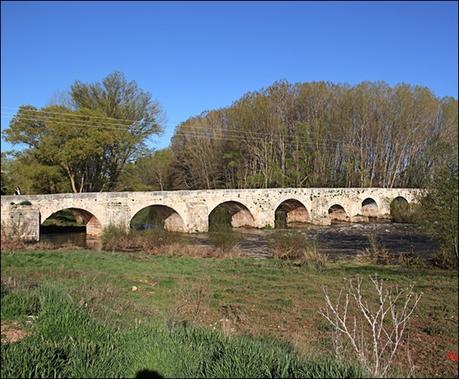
199,56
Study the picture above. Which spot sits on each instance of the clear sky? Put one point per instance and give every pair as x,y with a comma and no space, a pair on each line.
199,56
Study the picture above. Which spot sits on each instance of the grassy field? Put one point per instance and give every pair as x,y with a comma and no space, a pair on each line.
114,314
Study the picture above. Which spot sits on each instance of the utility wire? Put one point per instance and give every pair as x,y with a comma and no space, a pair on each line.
253,135
212,134
119,122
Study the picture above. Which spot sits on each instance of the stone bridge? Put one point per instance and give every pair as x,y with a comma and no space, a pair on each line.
190,211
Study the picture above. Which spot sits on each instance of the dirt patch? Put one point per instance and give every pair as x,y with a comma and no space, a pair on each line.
12,332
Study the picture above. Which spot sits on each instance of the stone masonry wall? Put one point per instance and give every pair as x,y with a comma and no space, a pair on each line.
193,207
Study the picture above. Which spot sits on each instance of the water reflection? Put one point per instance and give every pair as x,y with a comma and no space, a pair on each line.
65,236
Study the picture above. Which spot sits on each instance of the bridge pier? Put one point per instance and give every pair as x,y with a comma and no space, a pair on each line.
21,221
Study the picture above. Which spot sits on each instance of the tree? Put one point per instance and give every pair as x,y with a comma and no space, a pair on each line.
91,141
149,173
438,212
319,135
24,171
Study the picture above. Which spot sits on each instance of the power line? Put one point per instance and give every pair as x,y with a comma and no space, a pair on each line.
119,121
114,126
66,113
219,135
211,134
118,125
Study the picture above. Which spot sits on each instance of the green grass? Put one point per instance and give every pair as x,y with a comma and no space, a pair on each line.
66,342
272,304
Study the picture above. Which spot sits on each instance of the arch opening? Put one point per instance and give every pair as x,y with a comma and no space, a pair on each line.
291,213
159,217
76,226
337,214
370,208
229,215
400,210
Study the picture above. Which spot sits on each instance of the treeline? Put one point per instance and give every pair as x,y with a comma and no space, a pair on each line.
288,135
318,135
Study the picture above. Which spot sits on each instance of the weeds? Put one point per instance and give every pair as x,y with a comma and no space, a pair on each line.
117,238
294,246
377,254
225,240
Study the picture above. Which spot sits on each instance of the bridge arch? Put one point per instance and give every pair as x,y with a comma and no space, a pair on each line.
157,216
71,220
370,207
400,209
289,213
230,214
337,214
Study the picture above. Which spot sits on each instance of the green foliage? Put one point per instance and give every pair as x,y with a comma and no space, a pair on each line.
67,343
62,218
149,173
23,170
24,202
438,212
90,143
401,211
220,220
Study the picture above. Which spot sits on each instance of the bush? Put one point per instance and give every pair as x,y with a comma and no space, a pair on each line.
377,254
438,214
119,239
224,240
220,220
402,212
295,247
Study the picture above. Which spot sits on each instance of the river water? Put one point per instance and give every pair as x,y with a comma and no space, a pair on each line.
335,240
68,236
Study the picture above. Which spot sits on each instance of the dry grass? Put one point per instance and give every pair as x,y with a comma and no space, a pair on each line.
294,246
192,251
377,254
12,332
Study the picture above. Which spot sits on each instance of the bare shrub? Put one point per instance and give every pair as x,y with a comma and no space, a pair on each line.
287,245
402,212
373,324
